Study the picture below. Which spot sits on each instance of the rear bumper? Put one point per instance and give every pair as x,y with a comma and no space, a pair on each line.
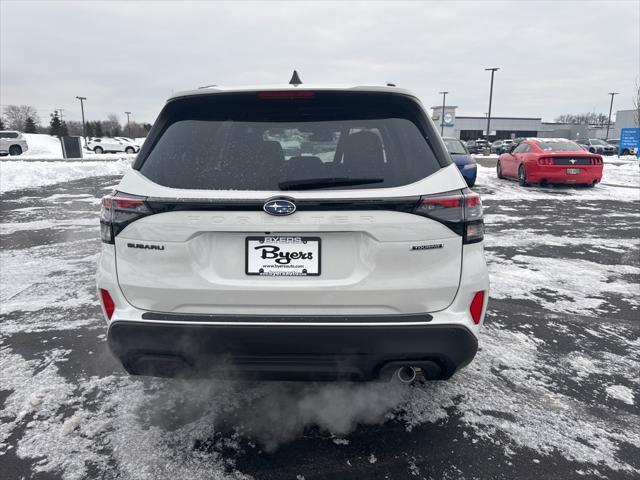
558,174
290,352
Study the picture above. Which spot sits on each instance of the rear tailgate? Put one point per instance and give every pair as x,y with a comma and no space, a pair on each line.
196,263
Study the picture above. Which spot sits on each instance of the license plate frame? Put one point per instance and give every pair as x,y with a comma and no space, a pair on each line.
290,244
573,171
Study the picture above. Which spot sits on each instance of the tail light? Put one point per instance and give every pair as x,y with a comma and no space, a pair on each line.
118,211
596,161
461,211
545,161
475,309
107,303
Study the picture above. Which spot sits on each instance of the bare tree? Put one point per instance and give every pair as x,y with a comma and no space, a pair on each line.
16,116
111,126
591,118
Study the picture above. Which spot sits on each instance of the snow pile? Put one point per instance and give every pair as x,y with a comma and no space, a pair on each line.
42,146
15,175
627,174
620,392
506,189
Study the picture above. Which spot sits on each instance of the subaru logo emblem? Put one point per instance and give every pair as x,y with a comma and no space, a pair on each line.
279,207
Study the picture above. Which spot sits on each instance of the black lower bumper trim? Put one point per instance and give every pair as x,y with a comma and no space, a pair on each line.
286,352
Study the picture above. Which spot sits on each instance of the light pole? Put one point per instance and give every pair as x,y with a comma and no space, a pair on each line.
84,128
444,96
613,94
493,70
128,127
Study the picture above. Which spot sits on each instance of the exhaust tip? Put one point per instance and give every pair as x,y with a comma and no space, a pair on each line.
406,374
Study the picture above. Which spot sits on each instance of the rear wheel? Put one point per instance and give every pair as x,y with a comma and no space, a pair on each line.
592,150
130,150
499,170
98,150
522,176
15,150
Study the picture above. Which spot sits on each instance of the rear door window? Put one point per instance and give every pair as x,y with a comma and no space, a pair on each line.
244,142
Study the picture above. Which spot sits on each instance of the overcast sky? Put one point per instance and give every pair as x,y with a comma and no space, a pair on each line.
555,57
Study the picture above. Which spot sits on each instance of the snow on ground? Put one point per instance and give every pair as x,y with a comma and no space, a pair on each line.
42,146
626,175
46,147
620,392
18,174
519,393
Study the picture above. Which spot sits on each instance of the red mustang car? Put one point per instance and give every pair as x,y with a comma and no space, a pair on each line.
550,160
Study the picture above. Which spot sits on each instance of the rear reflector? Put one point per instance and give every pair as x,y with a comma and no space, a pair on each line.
476,307
107,303
286,95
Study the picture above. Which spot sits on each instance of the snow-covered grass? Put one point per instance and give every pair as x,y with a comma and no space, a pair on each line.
19,174
46,147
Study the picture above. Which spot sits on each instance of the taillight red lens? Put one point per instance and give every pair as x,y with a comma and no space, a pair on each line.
545,161
127,203
107,303
476,307
118,211
286,95
461,211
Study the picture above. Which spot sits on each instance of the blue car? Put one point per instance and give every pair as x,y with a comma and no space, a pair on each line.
461,157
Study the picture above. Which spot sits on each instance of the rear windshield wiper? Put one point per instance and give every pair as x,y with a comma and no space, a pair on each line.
311,183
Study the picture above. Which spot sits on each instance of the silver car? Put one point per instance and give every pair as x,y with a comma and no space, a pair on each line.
12,143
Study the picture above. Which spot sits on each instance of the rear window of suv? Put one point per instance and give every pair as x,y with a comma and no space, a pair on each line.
249,142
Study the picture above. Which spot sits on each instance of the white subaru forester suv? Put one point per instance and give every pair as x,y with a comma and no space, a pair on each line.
293,232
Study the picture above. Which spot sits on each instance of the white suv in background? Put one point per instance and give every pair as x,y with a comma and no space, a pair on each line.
360,260
12,143
111,145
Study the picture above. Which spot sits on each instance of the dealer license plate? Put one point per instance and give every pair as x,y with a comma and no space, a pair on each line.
573,171
282,255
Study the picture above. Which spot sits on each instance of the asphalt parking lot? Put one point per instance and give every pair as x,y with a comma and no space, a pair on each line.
553,392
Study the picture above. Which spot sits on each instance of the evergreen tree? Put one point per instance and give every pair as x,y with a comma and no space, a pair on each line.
29,125
90,129
2,127
98,128
55,125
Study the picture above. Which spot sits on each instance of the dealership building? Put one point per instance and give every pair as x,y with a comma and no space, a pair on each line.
472,128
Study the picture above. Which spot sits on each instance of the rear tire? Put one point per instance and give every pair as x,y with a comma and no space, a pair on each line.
15,150
499,170
129,150
592,150
522,176
98,150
